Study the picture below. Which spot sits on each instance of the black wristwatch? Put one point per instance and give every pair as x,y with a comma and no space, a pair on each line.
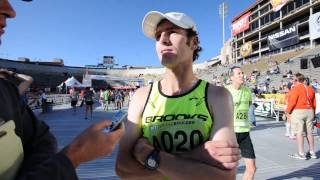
152,161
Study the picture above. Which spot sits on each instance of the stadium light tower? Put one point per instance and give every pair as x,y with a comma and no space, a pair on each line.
223,12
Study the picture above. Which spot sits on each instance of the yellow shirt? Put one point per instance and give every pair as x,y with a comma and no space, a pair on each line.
179,123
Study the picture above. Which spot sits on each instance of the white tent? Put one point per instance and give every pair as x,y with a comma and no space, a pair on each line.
71,82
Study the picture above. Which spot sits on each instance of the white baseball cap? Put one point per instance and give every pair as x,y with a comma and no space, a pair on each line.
152,19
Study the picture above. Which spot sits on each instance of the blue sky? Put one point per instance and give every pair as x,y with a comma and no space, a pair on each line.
82,32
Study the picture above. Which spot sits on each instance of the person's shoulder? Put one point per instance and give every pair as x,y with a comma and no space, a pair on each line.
138,102
214,87
142,91
245,88
299,87
217,91
217,95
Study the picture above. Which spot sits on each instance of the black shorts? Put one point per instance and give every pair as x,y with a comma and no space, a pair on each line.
89,103
246,146
74,103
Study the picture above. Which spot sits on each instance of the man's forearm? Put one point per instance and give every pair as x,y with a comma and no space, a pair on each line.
217,156
176,167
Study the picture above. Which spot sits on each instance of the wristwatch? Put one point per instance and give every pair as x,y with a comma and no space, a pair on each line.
152,161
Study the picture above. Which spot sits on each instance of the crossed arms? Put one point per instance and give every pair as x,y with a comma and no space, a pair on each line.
215,158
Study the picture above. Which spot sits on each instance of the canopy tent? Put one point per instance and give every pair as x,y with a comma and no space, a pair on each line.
71,82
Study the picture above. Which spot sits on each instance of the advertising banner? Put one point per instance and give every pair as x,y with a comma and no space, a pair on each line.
283,38
314,26
246,49
279,101
264,107
241,24
278,4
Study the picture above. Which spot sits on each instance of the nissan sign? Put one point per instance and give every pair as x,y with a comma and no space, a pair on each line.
283,38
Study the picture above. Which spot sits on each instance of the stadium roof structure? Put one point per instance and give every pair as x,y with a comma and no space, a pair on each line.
246,10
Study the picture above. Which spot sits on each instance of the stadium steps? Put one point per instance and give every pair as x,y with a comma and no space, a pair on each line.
262,65
294,66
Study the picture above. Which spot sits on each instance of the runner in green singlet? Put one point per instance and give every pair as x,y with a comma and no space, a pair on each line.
180,127
242,100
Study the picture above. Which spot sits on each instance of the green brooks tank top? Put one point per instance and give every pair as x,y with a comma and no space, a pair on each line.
241,99
179,123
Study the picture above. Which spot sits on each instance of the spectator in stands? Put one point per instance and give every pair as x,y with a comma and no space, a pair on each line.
307,81
287,61
291,83
31,152
273,90
301,111
290,74
285,74
315,85
267,78
255,89
277,70
214,81
256,71
265,88
219,82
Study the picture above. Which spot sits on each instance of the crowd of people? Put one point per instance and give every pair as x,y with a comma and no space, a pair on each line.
301,110
109,99
174,125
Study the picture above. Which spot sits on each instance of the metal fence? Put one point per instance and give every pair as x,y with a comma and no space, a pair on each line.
55,99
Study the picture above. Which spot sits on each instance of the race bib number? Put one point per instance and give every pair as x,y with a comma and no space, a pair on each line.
242,115
178,142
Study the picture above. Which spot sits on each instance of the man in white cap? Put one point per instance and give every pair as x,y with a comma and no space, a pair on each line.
179,127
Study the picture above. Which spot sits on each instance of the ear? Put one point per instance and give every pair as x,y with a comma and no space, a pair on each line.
194,47
195,43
